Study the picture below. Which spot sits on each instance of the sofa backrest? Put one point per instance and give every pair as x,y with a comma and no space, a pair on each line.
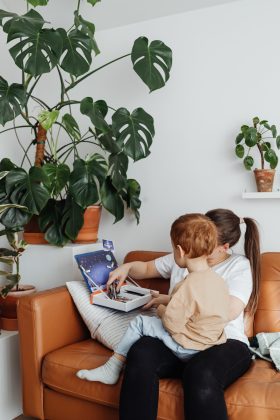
160,284
267,317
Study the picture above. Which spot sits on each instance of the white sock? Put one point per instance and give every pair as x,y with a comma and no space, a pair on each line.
107,374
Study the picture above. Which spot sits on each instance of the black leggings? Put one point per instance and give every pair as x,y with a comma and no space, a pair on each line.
204,376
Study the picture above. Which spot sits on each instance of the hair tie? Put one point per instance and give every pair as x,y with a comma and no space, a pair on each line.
241,220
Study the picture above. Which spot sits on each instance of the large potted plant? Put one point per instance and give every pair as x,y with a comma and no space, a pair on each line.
62,183
260,136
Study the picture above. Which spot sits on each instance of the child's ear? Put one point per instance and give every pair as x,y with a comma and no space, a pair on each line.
181,251
226,246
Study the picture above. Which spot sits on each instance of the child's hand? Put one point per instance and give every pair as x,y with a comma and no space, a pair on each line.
158,299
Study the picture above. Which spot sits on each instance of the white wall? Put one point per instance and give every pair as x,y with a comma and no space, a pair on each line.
226,71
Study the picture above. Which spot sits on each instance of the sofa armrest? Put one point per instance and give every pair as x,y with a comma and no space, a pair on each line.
159,283
47,321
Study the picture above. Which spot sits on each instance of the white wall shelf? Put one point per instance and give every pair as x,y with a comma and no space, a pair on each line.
273,194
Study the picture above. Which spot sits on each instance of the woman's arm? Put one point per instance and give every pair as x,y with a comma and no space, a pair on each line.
236,307
135,269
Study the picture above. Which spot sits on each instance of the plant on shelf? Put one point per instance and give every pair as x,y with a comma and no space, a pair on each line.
259,136
11,291
63,183
11,256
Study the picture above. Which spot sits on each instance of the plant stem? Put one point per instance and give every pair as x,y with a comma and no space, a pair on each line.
73,84
61,125
72,147
68,154
78,6
42,103
26,119
21,144
60,105
61,84
25,154
13,128
32,88
261,152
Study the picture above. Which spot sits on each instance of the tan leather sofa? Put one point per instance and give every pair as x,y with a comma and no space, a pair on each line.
55,344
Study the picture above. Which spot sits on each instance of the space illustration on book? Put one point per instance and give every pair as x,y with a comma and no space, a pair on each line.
96,267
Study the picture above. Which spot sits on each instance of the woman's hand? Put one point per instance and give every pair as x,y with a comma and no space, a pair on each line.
136,269
158,299
119,274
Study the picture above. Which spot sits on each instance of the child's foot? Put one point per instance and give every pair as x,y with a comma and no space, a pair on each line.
107,374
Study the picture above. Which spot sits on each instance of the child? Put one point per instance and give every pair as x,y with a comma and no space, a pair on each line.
197,311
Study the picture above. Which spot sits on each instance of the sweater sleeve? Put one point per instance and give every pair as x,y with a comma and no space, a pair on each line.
180,308
161,311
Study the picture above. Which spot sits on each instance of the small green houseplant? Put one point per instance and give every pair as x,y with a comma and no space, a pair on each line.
261,136
62,183
12,291
10,257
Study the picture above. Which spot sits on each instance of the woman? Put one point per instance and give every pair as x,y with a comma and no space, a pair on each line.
208,373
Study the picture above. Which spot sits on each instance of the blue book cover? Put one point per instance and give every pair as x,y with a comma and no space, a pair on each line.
95,268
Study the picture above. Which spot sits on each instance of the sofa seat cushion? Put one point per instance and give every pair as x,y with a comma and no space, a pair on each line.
255,393
59,373
258,389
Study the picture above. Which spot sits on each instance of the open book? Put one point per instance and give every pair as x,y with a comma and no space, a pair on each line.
95,268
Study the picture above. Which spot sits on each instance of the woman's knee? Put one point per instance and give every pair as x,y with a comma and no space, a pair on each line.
203,380
141,351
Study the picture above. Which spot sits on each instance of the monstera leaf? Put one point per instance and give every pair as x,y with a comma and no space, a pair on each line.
151,62
93,2
83,180
38,2
61,220
57,177
96,111
12,99
37,50
73,218
107,141
88,29
118,167
133,202
50,222
134,132
71,126
48,118
111,200
5,166
28,19
26,189
77,49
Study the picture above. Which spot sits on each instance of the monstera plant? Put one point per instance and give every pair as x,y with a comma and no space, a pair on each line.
60,182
